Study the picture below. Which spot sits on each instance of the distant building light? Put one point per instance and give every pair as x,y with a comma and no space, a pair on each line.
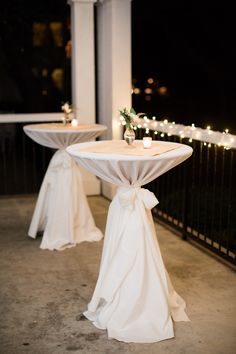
136,91
162,90
148,90
148,98
150,80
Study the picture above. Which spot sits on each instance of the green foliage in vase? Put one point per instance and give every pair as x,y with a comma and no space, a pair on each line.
128,116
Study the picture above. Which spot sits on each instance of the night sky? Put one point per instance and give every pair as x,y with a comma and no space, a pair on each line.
191,50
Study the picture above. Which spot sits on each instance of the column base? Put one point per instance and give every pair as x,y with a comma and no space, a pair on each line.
91,184
108,190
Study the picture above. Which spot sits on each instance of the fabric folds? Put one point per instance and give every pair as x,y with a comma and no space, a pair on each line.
134,298
62,212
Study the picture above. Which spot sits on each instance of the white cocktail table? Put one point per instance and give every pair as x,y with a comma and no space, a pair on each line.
134,298
62,212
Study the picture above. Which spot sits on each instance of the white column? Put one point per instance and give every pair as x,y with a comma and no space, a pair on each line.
114,68
114,62
83,74
83,60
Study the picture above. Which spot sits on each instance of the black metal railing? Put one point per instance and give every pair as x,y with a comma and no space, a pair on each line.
23,162
198,197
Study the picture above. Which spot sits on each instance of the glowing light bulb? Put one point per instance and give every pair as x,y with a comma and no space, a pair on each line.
147,142
74,122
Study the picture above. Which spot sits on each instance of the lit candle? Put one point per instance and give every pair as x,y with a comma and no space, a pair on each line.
74,122
147,142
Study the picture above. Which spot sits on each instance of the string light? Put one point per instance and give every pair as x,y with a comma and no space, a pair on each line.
207,136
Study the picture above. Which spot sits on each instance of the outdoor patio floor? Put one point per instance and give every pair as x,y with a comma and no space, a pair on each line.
43,293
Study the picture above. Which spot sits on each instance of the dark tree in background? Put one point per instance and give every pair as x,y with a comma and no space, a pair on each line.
33,58
189,50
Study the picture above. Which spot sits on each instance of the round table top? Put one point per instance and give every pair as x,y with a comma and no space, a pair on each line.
59,136
119,150
117,163
61,128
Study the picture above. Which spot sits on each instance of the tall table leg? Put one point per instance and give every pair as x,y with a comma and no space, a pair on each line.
134,298
62,211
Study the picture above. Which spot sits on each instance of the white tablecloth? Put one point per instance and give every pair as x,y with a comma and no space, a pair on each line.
134,298
62,211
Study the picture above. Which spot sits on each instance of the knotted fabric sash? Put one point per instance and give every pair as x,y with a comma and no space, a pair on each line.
133,299
61,159
128,195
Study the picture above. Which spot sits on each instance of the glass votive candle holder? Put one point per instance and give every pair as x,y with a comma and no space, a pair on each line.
74,122
147,142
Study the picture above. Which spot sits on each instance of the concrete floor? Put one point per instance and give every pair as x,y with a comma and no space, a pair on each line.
43,293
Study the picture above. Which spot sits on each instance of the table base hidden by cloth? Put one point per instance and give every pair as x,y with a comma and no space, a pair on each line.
134,298
62,211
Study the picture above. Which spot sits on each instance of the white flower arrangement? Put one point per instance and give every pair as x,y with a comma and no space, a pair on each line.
128,118
67,110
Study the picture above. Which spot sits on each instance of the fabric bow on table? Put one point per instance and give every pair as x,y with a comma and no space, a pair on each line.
128,195
61,159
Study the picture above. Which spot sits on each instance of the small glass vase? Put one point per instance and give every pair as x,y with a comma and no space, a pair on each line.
65,119
129,135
